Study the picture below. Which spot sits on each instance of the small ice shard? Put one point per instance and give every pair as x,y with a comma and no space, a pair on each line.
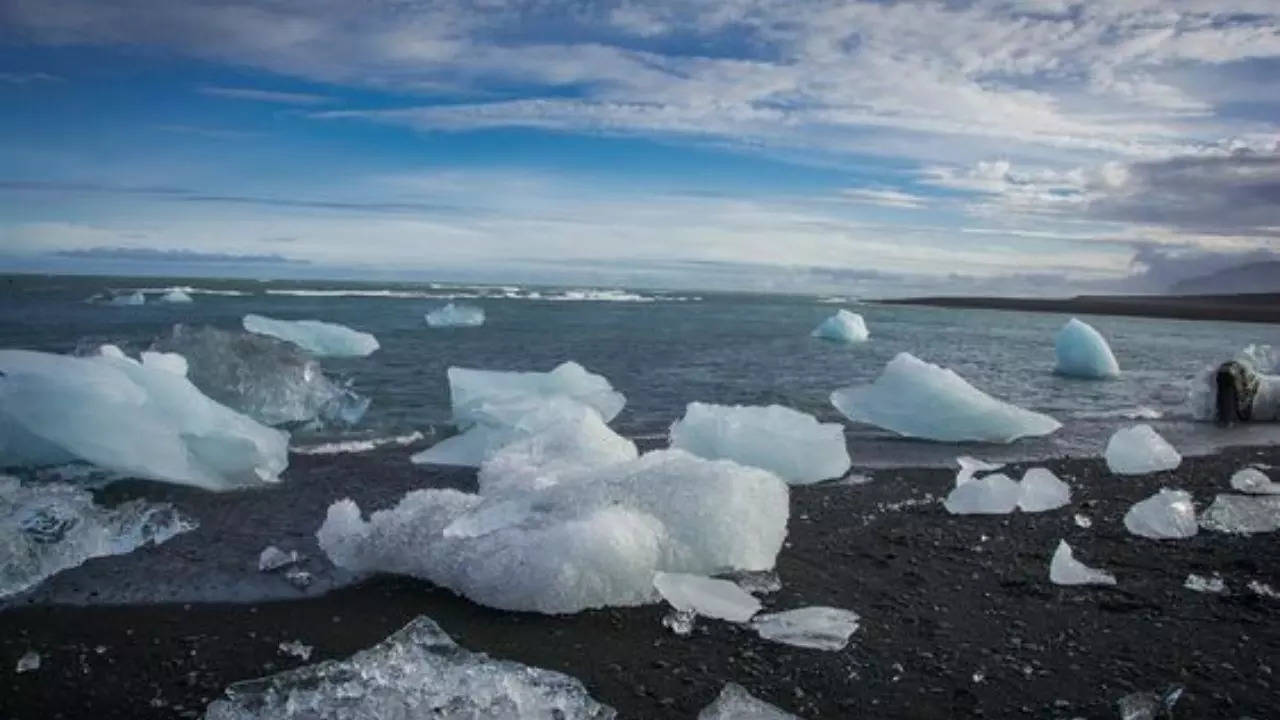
1083,521
820,628
680,622
29,662
452,315
127,299
273,558
322,339
735,703
844,326
1255,482
1200,583
1261,589
419,672
706,596
970,466
1083,352
1149,705
992,495
1139,450
1041,490
298,578
480,396
917,399
175,296
791,444
757,583
1242,514
295,648
1066,570
1169,514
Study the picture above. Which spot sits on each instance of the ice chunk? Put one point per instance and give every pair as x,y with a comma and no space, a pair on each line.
1083,352
1200,583
757,583
417,673
318,338
969,467
273,558
452,315
1169,514
29,662
1255,482
169,362
992,495
1242,514
791,444
706,596
1149,705
1042,490
1261,589
820,628
47,528
296,648
844,327
916,399
1066,570
127,299
1083,521
680,622
1139,450
735,703
491,396
175,296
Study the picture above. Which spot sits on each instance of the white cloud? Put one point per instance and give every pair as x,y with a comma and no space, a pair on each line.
268,96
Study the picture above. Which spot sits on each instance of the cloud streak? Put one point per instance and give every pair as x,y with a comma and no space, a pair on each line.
267,96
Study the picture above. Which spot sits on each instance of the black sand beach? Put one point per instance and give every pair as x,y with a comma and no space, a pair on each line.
1258,307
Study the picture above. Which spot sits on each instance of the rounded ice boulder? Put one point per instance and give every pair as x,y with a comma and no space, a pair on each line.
1169,514
1139,450
1083,352
844,326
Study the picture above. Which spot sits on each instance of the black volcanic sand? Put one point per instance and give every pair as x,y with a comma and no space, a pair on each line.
1256,307
959,620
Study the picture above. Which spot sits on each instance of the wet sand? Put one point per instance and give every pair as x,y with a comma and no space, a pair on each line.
959,620
1260,307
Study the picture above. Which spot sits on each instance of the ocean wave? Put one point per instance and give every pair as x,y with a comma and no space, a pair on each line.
1141,412
190,291
492,293
357,446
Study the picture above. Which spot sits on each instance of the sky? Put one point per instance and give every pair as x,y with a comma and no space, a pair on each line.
1016,147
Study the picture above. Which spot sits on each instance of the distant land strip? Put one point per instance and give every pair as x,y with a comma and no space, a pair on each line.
1253,307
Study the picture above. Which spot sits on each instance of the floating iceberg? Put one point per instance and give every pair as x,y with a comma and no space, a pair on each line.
819,628
706,596
1139,450
452,315
1255,482
45,529
1083,352
992,495
1041,490
316,337
791,444
735,703
1066,570
416,674
480,396
1242,514
844,327
175,296
1169,514
916,399
127,299
140,419
1200,583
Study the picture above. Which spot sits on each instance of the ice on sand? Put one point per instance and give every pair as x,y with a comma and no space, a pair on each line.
1041,490
136,419
480,396
296,648
1169,514
1149,705
970,467
1242,514
273,558
820,628
992,495
844,326
318,338
127,299
735,703
917,399
705,596
1200,583
791,444
417,673
175,296
1083,352
1255,482
452,315
1139,450
1064,569
29,662
47,528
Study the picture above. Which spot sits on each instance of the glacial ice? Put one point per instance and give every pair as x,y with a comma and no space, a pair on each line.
680,622
1200,583
492,396
296,648
819,628
1169,514
844,326
29,662
452,315
708,597
1066,570
417,673
175,296
138,420
992,495
318,338
1254,482
735,703
47,528
1041,490
1242,514
917,399
791,444
971,466
1139,450
273,558
127,299
1083,352
1149,705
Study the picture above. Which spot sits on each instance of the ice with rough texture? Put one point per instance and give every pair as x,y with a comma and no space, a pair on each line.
791,444
127,299
1264,362
419,673
1255,482
680,622
175,296
316,337
970,467
992,495
1169,514
492,396
917,399
273,558
48,528
758,582
1041,490
452,315
706,596
735,703
296,648
29,662
1083,352
1149,705
1200,583
1066,570
139,420
1139,450
1261,589
1242,514
844,326
819,628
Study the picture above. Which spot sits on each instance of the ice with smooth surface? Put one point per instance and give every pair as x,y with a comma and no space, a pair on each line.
452,315
1041,490
419,673
491,396
1139,450
1242,514
273,558
175,296
918,399
1083,352
709,597
127,299
1169,514
791,444
1066,570
735,703
844,326
816,627
992,495
1200,583
319,338
1255,482
48,528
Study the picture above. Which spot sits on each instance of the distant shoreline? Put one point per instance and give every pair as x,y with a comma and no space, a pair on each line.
1260,307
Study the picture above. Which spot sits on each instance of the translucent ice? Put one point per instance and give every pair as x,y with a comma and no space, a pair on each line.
735,703
791,444
820,628
1200,583
969,467
175,296
29,662
1083,352
416,674
1041,490
452,315
992,495
1242,514
844,327
316,337
296,648
273,558
1066,570
1255,482
489,396
916,399
1169,514
706,596
1149,705
1139,450
125,299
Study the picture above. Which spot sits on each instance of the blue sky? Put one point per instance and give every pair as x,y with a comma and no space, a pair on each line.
1034,146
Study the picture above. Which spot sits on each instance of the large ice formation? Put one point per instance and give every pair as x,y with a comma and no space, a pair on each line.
735,703
418,673
481,396
1083,352
1242,514
1169,514
127,299
816,627
844,327
140,419
1041,490
452,315
917,399
175,296
1254,481
1139,450
318,338
1064,569
791,444
705,596
992,495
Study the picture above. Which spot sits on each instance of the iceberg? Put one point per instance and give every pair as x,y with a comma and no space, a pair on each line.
175,296
1139,450
917,399
1242,514
735,703
127,299
1041,490
296,648
1255,482
706,596
1066,570
318,338
493,396
418,673
819,628
992,495
844,326
791,444
1083,352
452,315
1169,514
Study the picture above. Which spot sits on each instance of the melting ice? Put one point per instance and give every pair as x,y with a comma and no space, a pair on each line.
1242,514
844,326
1064,569
316,337
817,627
1139,450
1169,514
1083,352
452,315
791,444
735,703
709,597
